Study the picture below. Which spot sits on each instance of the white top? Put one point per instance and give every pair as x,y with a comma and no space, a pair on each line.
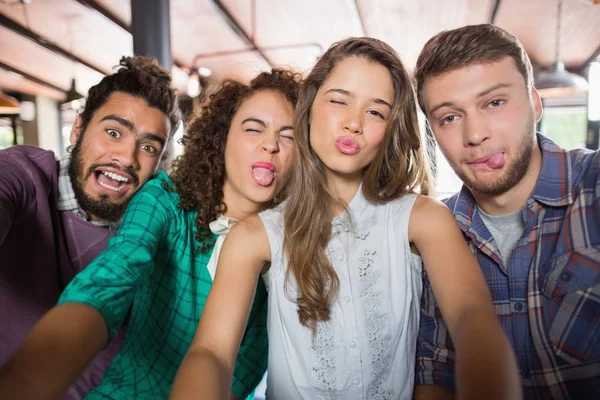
367,349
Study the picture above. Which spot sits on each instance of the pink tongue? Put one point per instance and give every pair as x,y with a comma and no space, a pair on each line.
263,176
496,161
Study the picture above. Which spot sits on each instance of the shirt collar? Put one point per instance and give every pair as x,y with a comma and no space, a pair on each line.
66,195
553,186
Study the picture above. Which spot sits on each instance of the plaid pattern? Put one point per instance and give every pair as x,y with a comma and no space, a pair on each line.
152,268
548,296
66,195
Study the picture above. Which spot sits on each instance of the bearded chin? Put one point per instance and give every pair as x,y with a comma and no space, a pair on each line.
514,173
100,208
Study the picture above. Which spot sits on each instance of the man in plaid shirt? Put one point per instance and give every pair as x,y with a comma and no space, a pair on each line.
528,209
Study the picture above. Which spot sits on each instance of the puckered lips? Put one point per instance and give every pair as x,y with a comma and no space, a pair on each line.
263,173
347,145
112,181
490,161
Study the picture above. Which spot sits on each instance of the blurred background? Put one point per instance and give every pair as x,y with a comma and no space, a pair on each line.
52,51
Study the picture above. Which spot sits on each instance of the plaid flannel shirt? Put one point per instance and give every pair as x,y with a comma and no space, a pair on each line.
548,296
152,267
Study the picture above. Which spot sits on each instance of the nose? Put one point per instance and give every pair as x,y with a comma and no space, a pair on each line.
125,153
270,144
475,131
353,123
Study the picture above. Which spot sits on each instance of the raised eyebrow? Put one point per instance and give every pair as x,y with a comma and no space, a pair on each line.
153,137
340,91
381,101
444,104
123,121
491,89
258,121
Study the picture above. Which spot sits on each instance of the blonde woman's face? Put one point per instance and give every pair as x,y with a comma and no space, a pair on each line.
349,116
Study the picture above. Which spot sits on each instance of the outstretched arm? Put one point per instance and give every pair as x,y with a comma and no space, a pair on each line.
93,307
208,365
485,362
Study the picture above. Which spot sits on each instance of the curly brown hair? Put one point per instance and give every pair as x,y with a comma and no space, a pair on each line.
140,77
199,174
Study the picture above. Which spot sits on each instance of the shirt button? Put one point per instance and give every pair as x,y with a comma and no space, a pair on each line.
347,298
355,382
341,257
565,276
352,344
519,306
598,278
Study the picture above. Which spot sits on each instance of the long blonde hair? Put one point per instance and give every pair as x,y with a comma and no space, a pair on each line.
399,167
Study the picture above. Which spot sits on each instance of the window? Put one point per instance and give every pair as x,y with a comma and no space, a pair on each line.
566,126
6,133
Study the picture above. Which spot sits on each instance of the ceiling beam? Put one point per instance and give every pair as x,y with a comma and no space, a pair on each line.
360,18
31,77
494,12
237,28
21,30
95,6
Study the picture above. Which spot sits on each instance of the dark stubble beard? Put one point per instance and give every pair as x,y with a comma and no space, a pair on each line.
100,208
514,173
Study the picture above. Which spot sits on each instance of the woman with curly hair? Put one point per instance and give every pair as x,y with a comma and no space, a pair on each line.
160,266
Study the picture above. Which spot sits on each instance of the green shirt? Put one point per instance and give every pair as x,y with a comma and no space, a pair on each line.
150,267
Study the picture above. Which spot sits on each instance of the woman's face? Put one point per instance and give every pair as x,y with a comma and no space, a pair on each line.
258,152
349,116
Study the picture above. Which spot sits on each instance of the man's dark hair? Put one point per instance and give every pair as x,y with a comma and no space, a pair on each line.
140,77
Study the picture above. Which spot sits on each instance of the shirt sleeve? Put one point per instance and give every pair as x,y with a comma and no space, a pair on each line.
251,362
435,350
16,193
109,283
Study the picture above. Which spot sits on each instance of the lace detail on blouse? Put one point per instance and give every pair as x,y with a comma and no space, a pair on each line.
375,322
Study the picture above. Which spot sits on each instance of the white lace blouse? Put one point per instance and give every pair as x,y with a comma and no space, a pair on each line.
367,349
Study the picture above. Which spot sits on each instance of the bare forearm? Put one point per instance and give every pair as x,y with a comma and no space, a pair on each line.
202,372
432,392
56,351
485,363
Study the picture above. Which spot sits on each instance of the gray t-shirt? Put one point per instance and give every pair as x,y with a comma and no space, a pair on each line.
506,230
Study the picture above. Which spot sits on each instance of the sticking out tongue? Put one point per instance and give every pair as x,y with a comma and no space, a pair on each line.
496,161
263,176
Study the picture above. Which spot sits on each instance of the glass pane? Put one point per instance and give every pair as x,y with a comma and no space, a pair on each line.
566,126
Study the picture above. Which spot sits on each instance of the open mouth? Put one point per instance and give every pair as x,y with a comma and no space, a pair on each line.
112,181
263,173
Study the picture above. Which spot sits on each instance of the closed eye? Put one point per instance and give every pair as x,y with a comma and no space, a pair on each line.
337,102
377,114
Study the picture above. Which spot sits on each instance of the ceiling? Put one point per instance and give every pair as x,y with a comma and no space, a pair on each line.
44,43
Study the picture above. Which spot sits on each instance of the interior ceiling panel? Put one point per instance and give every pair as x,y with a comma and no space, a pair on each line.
294,33
27,56
408,25
12,82
534,23
287,33
74,27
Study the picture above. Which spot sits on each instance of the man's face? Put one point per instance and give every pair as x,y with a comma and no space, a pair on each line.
483,118
118,152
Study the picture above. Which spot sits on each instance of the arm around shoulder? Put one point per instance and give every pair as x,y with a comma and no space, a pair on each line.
485,362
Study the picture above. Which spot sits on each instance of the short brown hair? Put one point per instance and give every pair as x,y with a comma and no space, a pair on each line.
469,45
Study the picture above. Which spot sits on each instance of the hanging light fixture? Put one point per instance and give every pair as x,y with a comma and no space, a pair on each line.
557,81
73,97
9,105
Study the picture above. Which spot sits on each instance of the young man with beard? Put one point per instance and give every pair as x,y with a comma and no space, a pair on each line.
529,210
57,216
